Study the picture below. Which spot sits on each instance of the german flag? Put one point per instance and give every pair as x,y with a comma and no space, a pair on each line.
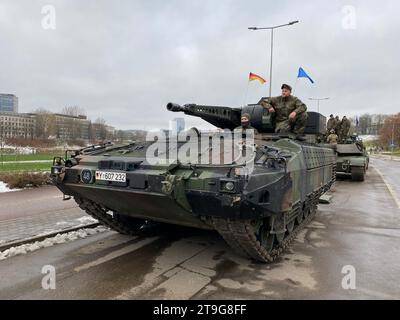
253,76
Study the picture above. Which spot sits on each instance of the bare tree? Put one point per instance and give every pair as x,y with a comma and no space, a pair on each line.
73,111
390,130
45,123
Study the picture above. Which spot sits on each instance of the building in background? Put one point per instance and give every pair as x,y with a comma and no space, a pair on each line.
71,128
177,125
8,103
44,124
17,125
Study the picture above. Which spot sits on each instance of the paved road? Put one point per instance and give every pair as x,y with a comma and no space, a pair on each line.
390,172
361,228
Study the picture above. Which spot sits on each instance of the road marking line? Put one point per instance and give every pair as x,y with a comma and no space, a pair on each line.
391,191
116,254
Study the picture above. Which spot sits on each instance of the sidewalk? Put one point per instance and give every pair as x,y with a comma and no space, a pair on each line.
36,212
39,225
385,157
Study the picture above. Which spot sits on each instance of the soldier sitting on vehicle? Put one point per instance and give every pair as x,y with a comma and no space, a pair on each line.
291,113
332,138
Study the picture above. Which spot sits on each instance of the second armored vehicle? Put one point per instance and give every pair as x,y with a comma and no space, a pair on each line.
352,159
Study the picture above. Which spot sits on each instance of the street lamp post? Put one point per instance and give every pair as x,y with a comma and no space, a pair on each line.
318,100
272,46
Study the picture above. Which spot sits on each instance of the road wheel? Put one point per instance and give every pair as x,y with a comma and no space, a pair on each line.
279,227
290,226
264,235
300,217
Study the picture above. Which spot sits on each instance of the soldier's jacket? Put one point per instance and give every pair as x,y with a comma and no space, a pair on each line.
345,125
337,125
246,128
284,106
333,138
331,124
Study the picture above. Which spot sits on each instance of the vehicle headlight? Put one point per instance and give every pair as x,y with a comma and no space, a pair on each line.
230,186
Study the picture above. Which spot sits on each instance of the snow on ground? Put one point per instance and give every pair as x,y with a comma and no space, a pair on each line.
20,150
369,137
86,219
4,188
58,239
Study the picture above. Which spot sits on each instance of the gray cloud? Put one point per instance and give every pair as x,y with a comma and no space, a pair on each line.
124,60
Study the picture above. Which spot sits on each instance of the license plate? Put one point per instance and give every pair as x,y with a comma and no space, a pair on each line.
111,176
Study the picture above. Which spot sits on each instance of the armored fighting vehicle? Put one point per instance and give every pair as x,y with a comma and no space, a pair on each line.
352,159
257,205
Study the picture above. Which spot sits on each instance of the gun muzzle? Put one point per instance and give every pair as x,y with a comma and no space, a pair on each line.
174,107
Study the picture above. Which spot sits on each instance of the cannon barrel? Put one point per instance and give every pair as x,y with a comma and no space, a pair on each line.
221,117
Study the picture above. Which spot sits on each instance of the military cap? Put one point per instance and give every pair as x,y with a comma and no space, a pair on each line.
286,86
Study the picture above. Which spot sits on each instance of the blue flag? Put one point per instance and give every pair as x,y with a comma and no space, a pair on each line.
303,74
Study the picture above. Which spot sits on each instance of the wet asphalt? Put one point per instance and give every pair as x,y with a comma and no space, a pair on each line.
360,229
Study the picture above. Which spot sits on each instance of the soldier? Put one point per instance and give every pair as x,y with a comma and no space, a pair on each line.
291,115
344,128
245,124
337,125
331,124
333,137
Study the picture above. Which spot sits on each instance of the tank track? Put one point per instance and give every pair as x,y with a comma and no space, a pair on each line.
240,235
98,212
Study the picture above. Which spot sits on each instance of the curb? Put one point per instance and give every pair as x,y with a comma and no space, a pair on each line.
47,235
385,157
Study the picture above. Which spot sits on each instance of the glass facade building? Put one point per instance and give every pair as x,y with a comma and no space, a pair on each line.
8,103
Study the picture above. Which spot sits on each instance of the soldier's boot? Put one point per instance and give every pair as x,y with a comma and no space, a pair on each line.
300,123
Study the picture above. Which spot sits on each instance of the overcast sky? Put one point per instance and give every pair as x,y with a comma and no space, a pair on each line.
124,60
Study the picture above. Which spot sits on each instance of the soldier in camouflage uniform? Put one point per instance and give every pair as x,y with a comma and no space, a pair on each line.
331,124
291,113
245,124
344,128
337,125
